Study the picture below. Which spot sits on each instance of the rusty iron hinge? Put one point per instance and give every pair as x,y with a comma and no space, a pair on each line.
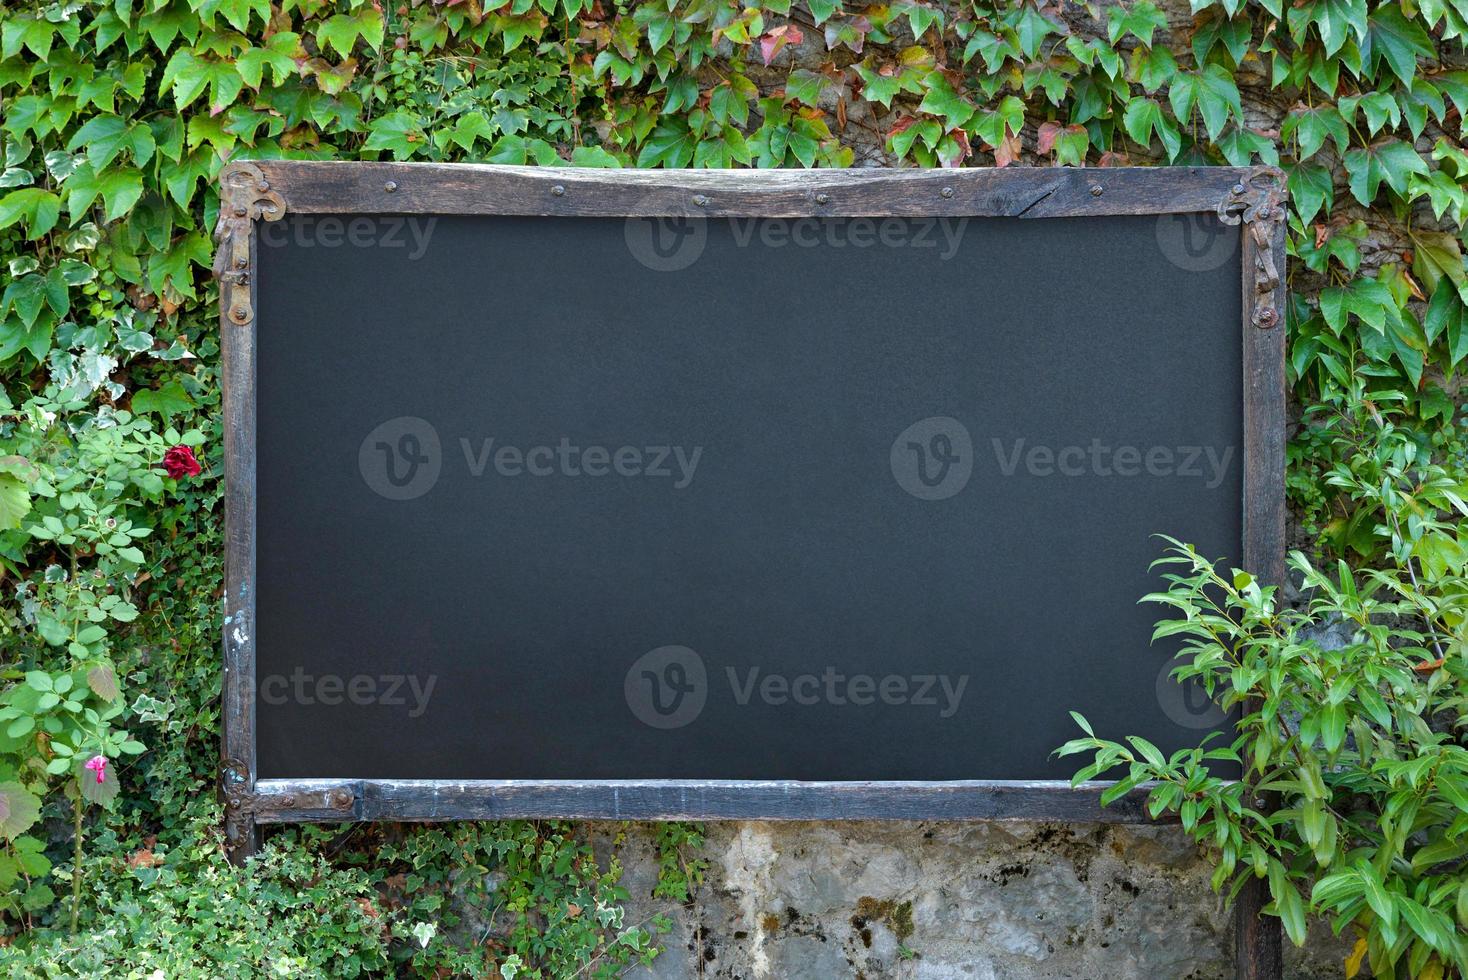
242,803
244,197
1258,201
239,813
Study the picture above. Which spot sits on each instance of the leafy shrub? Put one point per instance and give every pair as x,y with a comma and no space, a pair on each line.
1361,739
186,912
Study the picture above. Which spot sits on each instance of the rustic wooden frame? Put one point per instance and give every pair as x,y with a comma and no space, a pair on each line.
266,190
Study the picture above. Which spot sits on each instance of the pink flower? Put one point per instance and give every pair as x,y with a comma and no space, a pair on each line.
180,462
98,764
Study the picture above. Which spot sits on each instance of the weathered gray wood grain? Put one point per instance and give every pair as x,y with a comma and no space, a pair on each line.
322,187
294,801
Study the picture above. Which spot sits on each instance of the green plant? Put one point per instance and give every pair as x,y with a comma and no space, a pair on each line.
160,911
531,899
1363,741
75,489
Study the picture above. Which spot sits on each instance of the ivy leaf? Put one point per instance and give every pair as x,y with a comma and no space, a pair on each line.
1139,20
26,295
1240,145
658,23
1366,298
469,127
775,40
1234,33
38,208
909,130
238,12
670,145
105,137
805,86
1312,189
279,55
997,125
1143,118
941,100
1378,107
1336,20
1444,313
400,133
1436,256
341,31
34,33
1313,126
1392,162
1152,68
682,94
508,149
164,402
1454,84
1213,92
118,187
822,10
1392,38
171,271
1071,145
1031,28
593,156
187,76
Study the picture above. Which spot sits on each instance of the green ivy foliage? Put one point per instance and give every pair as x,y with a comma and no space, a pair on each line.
116,116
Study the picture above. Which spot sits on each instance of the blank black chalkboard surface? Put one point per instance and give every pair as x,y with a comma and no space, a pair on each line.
560,492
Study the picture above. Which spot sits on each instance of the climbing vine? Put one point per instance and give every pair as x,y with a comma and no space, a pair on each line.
116,116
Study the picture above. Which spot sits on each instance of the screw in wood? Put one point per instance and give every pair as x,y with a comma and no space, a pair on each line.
946,192
1266,317
240,314
390,186
558,190
700,200
1097,190
823,198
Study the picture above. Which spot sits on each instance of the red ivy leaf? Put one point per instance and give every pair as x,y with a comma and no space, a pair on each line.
775,40
1045,139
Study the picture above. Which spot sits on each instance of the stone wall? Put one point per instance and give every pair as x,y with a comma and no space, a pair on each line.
978,901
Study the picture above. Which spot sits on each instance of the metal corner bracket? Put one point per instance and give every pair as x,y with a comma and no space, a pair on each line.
1258,201
239,810
245,196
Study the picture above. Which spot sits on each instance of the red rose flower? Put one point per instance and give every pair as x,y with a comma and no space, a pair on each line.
180,462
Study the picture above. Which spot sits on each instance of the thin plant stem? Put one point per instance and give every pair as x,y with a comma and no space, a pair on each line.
76,872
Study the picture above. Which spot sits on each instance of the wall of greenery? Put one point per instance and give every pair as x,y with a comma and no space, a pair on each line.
116,116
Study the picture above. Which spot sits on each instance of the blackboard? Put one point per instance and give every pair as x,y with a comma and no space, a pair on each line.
569,493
